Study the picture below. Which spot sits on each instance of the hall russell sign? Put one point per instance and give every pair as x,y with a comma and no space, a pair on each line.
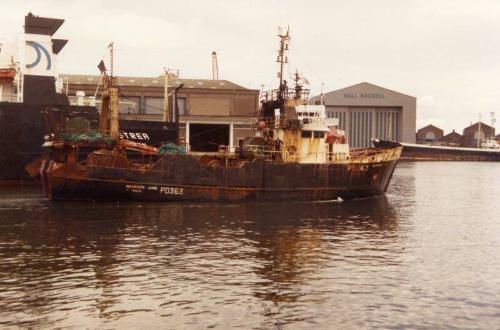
364,96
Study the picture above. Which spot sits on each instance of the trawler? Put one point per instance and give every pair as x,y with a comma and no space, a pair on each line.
294,154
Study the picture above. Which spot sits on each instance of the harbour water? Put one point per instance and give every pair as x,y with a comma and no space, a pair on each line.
425,256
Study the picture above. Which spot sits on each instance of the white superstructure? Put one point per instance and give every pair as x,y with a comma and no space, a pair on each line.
490,143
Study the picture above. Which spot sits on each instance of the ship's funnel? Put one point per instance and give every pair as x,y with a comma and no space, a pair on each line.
39,60
31,62
41,25
39,56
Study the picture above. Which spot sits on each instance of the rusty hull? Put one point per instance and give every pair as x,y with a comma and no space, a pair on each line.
188,178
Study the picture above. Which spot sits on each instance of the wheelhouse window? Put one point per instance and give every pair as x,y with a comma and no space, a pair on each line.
319,135
306,134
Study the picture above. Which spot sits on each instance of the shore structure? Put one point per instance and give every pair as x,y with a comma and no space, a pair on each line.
477,143
366,111
210,112
423,152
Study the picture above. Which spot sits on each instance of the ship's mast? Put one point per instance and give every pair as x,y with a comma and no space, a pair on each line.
109,107
282,59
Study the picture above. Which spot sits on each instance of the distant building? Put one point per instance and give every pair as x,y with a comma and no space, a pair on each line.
475,132
452,139
367,111
211,112
429,134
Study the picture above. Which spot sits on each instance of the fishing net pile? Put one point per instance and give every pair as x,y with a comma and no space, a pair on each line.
171,149
91,136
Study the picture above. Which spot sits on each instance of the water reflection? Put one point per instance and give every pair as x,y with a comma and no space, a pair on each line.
422,257
97,258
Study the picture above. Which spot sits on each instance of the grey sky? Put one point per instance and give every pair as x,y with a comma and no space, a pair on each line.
446,53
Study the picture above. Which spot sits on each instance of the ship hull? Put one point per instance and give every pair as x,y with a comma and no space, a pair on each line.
417,152
182,178
21,138
22,131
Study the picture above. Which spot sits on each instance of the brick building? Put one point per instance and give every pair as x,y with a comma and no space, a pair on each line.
477,131
452,139
429,134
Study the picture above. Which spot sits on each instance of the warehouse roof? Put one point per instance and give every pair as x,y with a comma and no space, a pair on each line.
153,82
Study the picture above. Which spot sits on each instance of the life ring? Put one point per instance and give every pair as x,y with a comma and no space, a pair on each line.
291,150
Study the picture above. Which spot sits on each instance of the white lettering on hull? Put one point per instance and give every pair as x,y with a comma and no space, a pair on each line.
138,188
134,136
171,191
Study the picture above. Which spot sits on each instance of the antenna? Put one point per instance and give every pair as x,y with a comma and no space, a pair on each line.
282,58
298,86
215,67
167,114
110,47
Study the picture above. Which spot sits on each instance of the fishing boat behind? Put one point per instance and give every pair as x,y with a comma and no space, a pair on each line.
423,152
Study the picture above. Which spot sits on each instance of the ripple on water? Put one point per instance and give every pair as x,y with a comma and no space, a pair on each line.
421,257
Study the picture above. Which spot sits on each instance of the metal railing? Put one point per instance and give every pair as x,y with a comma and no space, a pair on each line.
269,153
289,94
353,156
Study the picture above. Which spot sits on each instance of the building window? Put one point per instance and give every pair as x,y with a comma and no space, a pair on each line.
153,105
182,103
306,134
430,136
129,105
476,134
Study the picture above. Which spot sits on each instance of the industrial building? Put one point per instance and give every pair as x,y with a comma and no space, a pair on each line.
433,135
211,112
367,111
452,139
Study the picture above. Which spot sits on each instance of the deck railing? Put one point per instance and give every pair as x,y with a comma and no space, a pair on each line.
288,94
354,156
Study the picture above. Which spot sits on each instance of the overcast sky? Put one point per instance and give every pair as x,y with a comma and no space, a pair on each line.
445,53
